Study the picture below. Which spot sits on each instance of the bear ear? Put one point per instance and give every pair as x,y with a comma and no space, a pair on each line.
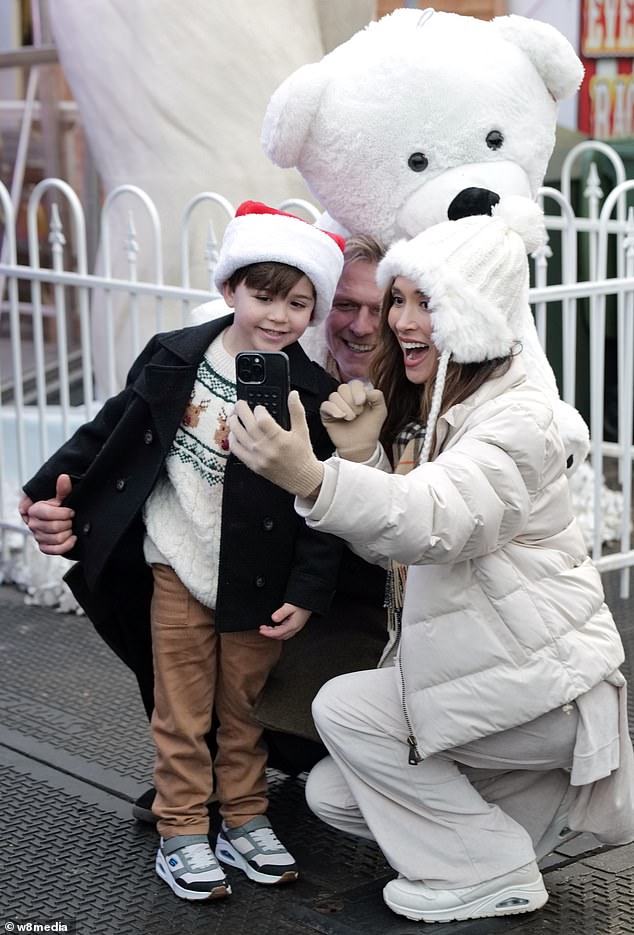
548,50
290,113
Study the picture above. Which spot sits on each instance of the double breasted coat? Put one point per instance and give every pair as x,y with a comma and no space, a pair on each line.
267,554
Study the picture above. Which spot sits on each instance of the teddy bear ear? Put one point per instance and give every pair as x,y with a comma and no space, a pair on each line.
548,50
290,113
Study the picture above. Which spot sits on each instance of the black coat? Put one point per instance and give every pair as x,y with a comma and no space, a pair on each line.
267,554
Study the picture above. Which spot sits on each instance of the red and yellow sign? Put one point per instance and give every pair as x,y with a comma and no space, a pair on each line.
606,98
607,28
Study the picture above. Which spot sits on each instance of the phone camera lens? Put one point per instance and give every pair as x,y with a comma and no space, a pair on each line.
251,369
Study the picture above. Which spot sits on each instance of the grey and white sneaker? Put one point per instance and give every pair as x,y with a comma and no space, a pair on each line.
188,866
255,849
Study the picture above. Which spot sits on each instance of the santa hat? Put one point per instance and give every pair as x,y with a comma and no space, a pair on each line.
475,274
261,234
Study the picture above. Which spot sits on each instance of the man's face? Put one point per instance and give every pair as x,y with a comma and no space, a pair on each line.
353,323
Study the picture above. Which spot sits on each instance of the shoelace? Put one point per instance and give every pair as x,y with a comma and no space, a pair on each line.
199,856
266,839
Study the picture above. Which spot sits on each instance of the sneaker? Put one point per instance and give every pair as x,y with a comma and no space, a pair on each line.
142,808
255,849
558,832
522,890
188,866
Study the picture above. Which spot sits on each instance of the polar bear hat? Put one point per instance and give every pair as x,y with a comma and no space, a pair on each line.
392,125
423,117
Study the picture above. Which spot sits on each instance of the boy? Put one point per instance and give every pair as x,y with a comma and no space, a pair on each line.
176,539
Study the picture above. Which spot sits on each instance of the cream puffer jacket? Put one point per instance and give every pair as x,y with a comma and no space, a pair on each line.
504,616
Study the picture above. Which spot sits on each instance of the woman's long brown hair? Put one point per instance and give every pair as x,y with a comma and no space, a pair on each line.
410,402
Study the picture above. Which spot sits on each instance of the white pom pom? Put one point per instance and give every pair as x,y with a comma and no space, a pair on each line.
525,217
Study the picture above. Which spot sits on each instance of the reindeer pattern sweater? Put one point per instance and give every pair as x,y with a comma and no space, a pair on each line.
183,513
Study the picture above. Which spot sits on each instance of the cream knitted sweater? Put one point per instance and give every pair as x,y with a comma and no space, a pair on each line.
183,514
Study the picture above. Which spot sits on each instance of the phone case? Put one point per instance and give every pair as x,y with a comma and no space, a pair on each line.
263,379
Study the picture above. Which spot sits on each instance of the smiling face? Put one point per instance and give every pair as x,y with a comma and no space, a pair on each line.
264,321
353,322
410,319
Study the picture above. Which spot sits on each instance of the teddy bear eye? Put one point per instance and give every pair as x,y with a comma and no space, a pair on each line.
418,162
494,139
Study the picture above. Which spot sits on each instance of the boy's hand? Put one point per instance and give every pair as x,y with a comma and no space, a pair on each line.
285,458
353,416
49,521
289,619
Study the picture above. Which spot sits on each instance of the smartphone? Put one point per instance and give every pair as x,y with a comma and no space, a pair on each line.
263,379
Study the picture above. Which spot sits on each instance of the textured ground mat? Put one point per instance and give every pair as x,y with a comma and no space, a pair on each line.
75,752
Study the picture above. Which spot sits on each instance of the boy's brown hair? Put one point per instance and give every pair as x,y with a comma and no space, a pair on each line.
276,278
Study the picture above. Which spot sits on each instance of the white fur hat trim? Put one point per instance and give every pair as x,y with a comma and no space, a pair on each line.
475,273
261,235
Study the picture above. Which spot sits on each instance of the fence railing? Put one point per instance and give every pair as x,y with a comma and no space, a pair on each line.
67,333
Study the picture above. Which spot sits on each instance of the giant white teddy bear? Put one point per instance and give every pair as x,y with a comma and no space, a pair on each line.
423,116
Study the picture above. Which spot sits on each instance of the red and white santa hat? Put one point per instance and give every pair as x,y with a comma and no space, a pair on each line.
261,234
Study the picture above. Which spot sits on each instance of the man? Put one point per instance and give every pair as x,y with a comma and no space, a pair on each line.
353,634
353,323
344,344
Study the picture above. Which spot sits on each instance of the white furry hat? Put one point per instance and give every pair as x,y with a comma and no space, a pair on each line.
261,234
475,273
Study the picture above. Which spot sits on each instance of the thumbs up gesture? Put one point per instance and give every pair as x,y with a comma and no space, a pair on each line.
49,521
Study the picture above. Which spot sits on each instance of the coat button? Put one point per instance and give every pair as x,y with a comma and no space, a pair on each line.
148,436
268,524
120,484
86,528
260,581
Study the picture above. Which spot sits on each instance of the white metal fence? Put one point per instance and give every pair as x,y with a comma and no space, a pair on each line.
52,305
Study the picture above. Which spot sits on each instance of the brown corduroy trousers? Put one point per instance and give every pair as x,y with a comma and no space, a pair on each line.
195,671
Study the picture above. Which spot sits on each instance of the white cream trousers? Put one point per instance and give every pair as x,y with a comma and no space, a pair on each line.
457,818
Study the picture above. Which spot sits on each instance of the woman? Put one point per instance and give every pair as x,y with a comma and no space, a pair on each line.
502,723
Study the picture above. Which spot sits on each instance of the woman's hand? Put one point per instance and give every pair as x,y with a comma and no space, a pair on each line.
353,416
285,458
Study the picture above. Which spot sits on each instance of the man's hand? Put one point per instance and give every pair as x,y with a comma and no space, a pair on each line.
49,521
285,458
353,416
24,506
289,619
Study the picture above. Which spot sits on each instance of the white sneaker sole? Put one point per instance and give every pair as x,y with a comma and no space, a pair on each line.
228,855
510,901
217,891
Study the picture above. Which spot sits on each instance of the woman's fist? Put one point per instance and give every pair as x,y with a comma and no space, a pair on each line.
353,417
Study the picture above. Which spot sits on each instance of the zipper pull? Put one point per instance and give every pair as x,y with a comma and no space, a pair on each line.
414,757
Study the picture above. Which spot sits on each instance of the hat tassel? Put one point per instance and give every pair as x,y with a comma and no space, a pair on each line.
436,401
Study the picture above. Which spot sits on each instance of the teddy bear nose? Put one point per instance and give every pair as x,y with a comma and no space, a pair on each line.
472,201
